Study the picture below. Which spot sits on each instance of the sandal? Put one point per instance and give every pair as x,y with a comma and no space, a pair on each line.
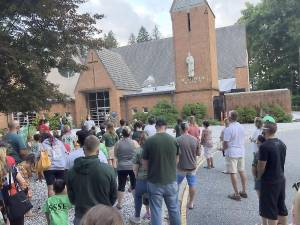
235,197
243,194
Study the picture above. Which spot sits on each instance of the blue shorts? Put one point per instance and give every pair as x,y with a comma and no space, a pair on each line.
190,177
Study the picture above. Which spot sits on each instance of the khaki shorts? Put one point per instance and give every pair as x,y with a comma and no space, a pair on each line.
111,152
235,165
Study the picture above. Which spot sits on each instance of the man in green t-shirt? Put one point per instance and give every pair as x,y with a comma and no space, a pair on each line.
57,206
160,156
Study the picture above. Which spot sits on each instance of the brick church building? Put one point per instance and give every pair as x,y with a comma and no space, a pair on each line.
193,66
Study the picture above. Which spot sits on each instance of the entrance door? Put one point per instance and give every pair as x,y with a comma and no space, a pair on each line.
99,106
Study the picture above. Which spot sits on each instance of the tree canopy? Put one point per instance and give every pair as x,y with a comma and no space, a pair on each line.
132,39
273,30
110,41
36,36
143,35
156,34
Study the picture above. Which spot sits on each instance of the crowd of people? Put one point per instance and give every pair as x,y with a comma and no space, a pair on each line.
91,170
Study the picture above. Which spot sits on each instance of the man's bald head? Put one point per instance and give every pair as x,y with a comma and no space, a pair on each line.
13,125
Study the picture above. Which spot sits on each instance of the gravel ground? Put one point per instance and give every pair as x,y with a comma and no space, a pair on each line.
40,195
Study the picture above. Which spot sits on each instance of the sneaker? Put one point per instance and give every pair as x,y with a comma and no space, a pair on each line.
135,220
147,216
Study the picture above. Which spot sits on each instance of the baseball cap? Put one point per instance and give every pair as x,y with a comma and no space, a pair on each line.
269,118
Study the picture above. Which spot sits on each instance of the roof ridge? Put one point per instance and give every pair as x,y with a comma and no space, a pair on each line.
141,43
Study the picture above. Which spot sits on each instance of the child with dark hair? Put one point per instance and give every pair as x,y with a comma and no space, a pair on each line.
35,147
57,206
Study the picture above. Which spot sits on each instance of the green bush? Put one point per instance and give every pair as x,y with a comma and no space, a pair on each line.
296,100
277,112
54,122
246,114
198,110
141,116
166,110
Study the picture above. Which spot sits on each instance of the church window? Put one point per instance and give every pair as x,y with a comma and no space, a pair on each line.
189,22
99,106
134,111
145,109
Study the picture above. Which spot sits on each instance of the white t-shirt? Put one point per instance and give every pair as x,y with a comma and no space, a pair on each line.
89,124
235,136
79,153
150,130
254,138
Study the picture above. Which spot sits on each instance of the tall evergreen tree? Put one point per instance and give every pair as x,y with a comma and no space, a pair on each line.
132,39
156,34
36,36
143,35
273,28
109,40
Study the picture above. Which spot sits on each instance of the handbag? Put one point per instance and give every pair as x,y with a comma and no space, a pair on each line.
18,204
44,162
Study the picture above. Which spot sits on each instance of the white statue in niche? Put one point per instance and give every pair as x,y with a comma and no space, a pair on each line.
191,65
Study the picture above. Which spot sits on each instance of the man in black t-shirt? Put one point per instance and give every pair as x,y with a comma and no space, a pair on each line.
270,170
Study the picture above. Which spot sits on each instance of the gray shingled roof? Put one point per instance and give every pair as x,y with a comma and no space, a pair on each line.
153,58
180,5
156,58
232,50
118,70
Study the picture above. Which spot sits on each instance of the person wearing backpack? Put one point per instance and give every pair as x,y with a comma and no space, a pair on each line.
57,155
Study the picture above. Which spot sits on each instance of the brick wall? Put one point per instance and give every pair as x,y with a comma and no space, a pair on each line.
204,97
242,78
3,121
281,97
201,43
140,102
61,108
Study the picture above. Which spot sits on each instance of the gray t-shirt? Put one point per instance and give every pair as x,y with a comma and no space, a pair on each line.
124,152
189,150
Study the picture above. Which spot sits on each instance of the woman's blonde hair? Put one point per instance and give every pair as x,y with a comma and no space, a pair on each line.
2,163
192,120
102,215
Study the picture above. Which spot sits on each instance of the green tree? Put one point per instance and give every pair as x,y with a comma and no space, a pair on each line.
165,109
198,110
156,34
109,40
273,31
246,114
36,36
132,39
143,35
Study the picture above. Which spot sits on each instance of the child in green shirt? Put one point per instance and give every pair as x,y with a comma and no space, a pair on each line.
57,207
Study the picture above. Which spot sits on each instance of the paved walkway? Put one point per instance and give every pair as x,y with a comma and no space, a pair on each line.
212,205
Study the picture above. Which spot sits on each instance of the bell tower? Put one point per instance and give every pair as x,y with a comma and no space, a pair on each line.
194,39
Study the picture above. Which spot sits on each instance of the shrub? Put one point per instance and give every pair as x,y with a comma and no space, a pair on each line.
246,114
54,122
198,110
277,112
166,110
141,116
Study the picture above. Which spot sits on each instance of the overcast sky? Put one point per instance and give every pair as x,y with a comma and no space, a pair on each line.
124,17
